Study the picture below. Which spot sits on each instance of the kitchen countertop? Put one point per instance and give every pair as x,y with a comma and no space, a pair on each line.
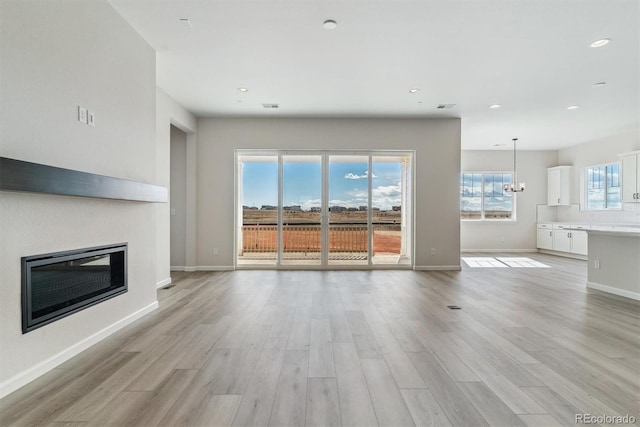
601,228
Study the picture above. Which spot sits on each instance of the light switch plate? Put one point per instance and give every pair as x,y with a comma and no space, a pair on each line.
82,114
91,118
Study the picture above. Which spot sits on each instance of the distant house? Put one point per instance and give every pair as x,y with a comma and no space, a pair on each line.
396,208
269,208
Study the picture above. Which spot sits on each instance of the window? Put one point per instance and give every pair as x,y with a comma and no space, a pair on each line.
482,197
603,187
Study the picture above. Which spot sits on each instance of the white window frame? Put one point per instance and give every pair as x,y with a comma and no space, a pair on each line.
585,190
409,211
482,217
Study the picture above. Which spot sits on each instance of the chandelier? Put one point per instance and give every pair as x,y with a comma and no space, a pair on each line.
512,188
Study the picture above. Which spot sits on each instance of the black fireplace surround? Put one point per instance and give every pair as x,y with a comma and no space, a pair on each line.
58,284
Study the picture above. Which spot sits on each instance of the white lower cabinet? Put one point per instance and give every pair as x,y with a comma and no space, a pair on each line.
545,239
561,241
557,238
579,242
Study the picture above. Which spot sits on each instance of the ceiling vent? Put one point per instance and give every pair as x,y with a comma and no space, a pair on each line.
446,106
270,105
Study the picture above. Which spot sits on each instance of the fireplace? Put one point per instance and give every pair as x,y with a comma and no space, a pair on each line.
59,284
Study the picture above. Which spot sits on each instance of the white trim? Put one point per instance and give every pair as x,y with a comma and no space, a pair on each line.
563,254
437,268
613,290
190,269
163,282
177,268
25,377
499,250
330,267
212,268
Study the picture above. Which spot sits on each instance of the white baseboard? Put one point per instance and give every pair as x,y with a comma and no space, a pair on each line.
214,268
189,269
563,254
499,250
25,377
437,267
163,282
615,291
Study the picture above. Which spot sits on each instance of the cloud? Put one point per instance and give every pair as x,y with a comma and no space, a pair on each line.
356,176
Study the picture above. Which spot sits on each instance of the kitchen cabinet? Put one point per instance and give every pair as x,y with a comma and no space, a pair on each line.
630,165
545,237
558,186
561,240
557,238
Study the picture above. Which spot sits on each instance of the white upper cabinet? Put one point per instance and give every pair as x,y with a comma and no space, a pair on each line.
558,185
630,165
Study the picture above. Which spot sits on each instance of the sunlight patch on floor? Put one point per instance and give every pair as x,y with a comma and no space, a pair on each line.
503,262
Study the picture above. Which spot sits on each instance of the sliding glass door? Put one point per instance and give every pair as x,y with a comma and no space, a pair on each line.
348,210
301,209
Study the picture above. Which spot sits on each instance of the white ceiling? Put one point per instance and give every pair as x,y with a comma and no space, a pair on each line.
531,56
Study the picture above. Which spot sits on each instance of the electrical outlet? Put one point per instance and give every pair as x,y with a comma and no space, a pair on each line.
596,264
173,211
434,252
216,251
82,114
91,118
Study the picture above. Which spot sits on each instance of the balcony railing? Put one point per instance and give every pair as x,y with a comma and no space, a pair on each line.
306,239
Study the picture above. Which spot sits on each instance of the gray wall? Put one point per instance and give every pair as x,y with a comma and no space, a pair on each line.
619,267
505,235
169,112
593,153
55,56
437,145
178,195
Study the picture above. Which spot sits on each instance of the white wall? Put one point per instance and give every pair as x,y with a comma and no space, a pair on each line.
437,145
589,154
57,55
508,235
169,112
178,197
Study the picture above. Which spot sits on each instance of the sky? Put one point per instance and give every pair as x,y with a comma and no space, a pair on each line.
495,199
302,184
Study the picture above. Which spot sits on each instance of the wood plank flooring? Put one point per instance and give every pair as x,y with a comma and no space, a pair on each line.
530,347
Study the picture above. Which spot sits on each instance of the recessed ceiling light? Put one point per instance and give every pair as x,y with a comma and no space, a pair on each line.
186,21
243,89
494,106
329,24
600,43
572,107
414,90
599,84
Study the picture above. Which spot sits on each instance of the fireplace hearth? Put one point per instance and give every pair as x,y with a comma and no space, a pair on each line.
58,284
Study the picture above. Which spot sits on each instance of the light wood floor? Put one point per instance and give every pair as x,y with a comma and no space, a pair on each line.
529,347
